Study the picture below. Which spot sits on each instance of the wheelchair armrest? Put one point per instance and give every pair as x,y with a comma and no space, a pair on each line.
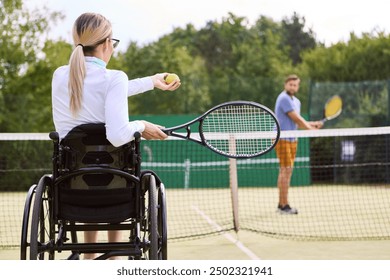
137,136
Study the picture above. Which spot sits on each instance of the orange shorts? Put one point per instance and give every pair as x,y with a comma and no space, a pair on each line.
286,152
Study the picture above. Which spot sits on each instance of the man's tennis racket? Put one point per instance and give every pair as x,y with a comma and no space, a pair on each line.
333,108
237,129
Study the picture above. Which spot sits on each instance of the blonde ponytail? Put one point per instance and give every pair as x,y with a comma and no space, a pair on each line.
76,79
89,30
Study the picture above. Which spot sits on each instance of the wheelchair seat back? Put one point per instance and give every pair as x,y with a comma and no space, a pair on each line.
92,190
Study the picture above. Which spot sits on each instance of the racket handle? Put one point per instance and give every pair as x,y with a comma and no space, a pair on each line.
166,131
171,132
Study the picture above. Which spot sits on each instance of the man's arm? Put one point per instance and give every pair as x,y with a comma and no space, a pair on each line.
302,123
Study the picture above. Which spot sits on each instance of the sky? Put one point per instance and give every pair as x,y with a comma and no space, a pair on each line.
145,21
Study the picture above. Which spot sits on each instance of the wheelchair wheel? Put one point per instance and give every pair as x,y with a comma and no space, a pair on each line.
26,222
42,227
156,229
162,223
152,219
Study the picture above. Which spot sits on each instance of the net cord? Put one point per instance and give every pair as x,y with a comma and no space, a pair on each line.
286,133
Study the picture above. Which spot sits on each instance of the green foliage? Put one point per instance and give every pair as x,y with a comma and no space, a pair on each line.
31,96
27,60
21,43
225,60
294,36
361,59
165,56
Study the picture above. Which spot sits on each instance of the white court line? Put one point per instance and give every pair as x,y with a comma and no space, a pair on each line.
228,236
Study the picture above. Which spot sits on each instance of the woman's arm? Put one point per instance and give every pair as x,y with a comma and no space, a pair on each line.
140,85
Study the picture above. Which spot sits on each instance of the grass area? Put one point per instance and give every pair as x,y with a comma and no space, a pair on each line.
334,222
218,247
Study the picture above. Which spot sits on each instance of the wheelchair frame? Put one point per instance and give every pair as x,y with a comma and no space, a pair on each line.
45,233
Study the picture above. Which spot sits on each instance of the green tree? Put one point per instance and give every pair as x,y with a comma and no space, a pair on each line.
225,60
360,59
32,91
296,38
218,44
165,56
263,63
21,41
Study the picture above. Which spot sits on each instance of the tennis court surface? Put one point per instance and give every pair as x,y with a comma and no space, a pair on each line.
340,186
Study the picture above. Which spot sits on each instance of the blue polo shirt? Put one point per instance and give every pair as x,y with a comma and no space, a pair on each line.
284,104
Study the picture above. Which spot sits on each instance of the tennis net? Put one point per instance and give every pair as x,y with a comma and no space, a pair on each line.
340,186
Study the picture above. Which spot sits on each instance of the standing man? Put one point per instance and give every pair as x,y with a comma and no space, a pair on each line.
288,113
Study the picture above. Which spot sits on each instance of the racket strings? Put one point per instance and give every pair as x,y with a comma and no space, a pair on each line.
240,130
333,107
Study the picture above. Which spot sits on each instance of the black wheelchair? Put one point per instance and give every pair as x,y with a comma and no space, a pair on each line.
95,186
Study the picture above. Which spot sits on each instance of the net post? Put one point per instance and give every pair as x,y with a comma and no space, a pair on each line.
233,181
187,168
388,103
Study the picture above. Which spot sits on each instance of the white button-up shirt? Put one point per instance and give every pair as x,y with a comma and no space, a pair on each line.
104,100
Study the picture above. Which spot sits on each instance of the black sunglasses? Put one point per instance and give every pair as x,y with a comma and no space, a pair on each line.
116,42
114,45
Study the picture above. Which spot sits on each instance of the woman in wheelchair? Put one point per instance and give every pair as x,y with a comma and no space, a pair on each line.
85,91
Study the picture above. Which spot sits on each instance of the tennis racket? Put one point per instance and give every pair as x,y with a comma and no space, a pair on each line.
236,129
333,108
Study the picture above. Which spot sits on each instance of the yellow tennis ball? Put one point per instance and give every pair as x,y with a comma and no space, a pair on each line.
171,78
